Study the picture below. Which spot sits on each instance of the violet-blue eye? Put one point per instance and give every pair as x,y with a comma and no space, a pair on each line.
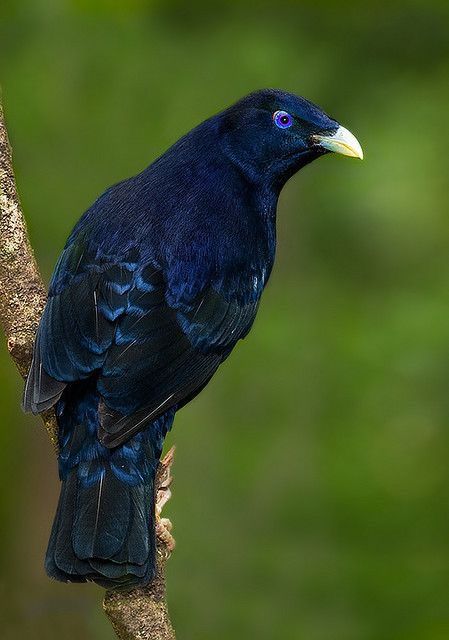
282,119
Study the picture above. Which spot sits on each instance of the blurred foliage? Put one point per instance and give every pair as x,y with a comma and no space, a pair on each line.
311,482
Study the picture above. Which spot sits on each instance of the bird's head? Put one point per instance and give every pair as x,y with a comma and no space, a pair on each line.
271,134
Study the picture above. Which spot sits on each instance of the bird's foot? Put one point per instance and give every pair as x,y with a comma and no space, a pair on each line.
163,529
163,495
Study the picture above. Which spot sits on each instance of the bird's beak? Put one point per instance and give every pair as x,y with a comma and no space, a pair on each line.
342,141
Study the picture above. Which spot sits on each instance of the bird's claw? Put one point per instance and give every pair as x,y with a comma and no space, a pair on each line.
163,495
163,529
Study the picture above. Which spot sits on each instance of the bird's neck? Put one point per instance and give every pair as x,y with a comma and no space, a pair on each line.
250,170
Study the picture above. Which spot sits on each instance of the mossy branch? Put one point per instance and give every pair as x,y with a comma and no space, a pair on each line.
140,614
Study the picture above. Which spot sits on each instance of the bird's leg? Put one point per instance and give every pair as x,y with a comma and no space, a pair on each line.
166,541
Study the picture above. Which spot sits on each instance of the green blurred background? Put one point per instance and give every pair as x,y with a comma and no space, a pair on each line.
312,475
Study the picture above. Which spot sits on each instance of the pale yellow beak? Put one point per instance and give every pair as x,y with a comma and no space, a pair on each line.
342,141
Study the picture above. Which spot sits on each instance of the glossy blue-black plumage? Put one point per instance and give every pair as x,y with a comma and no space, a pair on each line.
158,281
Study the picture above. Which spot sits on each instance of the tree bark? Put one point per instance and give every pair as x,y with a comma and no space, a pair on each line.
140,614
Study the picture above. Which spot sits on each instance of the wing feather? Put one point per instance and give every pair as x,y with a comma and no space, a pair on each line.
115,321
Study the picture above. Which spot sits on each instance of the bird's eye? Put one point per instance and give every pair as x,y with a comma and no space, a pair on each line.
282,119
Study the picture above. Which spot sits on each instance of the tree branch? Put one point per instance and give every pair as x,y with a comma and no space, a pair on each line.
140,614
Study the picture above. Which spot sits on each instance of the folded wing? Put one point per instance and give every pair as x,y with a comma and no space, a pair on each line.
114,322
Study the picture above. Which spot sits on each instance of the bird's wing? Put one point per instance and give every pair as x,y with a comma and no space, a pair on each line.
73,336
164,354
114,321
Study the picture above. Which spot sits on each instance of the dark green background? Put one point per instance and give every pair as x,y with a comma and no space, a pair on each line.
312,475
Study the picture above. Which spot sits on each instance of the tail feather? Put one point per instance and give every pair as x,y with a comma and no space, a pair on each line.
104,528
60,562
110,540
102,518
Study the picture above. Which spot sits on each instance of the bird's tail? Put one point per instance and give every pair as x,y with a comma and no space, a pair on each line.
103,533
104,528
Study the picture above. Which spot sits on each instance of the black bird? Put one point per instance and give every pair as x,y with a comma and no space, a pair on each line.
156,284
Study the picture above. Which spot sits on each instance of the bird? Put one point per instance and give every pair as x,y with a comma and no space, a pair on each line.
158,281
